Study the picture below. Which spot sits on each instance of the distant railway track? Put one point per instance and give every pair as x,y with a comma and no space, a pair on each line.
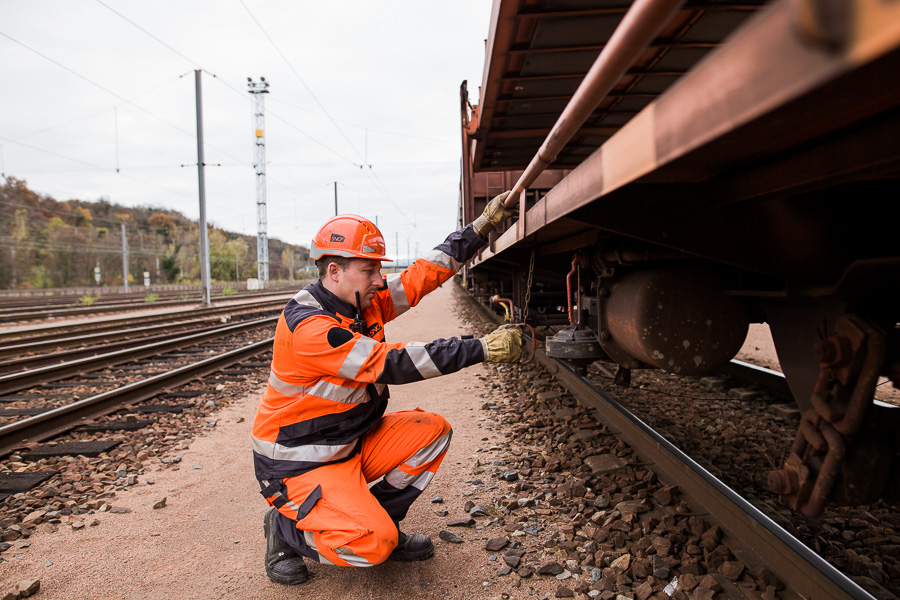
40,311
26,378
63,397
52,332
91,341
53,422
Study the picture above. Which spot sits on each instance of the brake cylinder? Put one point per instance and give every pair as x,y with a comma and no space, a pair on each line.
677,318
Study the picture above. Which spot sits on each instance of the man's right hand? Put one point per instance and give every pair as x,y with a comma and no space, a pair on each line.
503,345
494,213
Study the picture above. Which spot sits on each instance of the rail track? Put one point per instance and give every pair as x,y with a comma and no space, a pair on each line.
84,400
47,333
755,536
19,312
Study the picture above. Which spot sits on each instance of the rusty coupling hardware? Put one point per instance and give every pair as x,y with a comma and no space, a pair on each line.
850,361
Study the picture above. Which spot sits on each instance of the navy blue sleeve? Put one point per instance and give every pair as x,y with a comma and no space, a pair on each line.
418,361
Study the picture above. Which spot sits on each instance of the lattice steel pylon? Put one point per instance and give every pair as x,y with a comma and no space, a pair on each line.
259,121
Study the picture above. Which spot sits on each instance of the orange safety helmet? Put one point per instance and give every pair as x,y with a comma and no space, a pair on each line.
350,236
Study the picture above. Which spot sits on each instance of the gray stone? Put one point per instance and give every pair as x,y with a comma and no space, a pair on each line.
449,536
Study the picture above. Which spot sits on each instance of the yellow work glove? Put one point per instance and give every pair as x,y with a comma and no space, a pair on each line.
503,345
494,214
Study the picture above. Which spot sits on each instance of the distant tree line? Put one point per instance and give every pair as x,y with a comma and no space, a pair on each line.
46,243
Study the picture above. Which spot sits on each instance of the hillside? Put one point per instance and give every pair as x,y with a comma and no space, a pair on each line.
47,243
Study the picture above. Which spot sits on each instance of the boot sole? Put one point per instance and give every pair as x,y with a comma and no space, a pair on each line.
413,557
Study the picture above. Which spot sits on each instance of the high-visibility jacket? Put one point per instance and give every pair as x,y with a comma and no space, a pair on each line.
328,386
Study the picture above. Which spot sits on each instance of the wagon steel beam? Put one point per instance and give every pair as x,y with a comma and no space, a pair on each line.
639,26
738,94
620,10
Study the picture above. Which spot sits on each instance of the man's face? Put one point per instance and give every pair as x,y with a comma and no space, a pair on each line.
362,275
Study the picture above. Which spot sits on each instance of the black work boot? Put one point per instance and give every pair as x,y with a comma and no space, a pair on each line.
412,547
283,564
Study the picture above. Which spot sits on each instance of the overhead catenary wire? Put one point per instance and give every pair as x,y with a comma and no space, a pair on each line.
99,112
119,96
378,184
242,94
98,167
378,180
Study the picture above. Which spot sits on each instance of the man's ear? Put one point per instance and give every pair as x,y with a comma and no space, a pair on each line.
333,271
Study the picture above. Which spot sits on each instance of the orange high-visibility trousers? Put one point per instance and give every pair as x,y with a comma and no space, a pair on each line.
334,517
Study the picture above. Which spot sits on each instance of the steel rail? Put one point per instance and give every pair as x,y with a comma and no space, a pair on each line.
108,299
72,302
48,332
15,382
639,26
771,380
53,422
798,567
30,348
90,310
24,363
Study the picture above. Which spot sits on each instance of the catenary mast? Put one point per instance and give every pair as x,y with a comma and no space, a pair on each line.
262,240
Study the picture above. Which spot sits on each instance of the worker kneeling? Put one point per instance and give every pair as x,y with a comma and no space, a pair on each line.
321,435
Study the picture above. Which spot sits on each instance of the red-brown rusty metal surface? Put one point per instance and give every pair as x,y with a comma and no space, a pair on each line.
675,318
850,362
721,117
640,24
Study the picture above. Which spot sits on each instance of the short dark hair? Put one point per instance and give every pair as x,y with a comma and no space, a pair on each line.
341,261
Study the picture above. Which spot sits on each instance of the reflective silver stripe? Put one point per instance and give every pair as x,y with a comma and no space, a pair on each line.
285,388
422,481
398,293
323,389
315,253
265,483
311,542
288,501
304,297
353,559
356,357
422,360
337,393
431,451
442,259
308,453
380,387
401,480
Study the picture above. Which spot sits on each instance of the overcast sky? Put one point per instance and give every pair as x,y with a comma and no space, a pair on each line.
362,93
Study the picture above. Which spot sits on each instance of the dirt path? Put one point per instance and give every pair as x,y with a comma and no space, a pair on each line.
207,541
